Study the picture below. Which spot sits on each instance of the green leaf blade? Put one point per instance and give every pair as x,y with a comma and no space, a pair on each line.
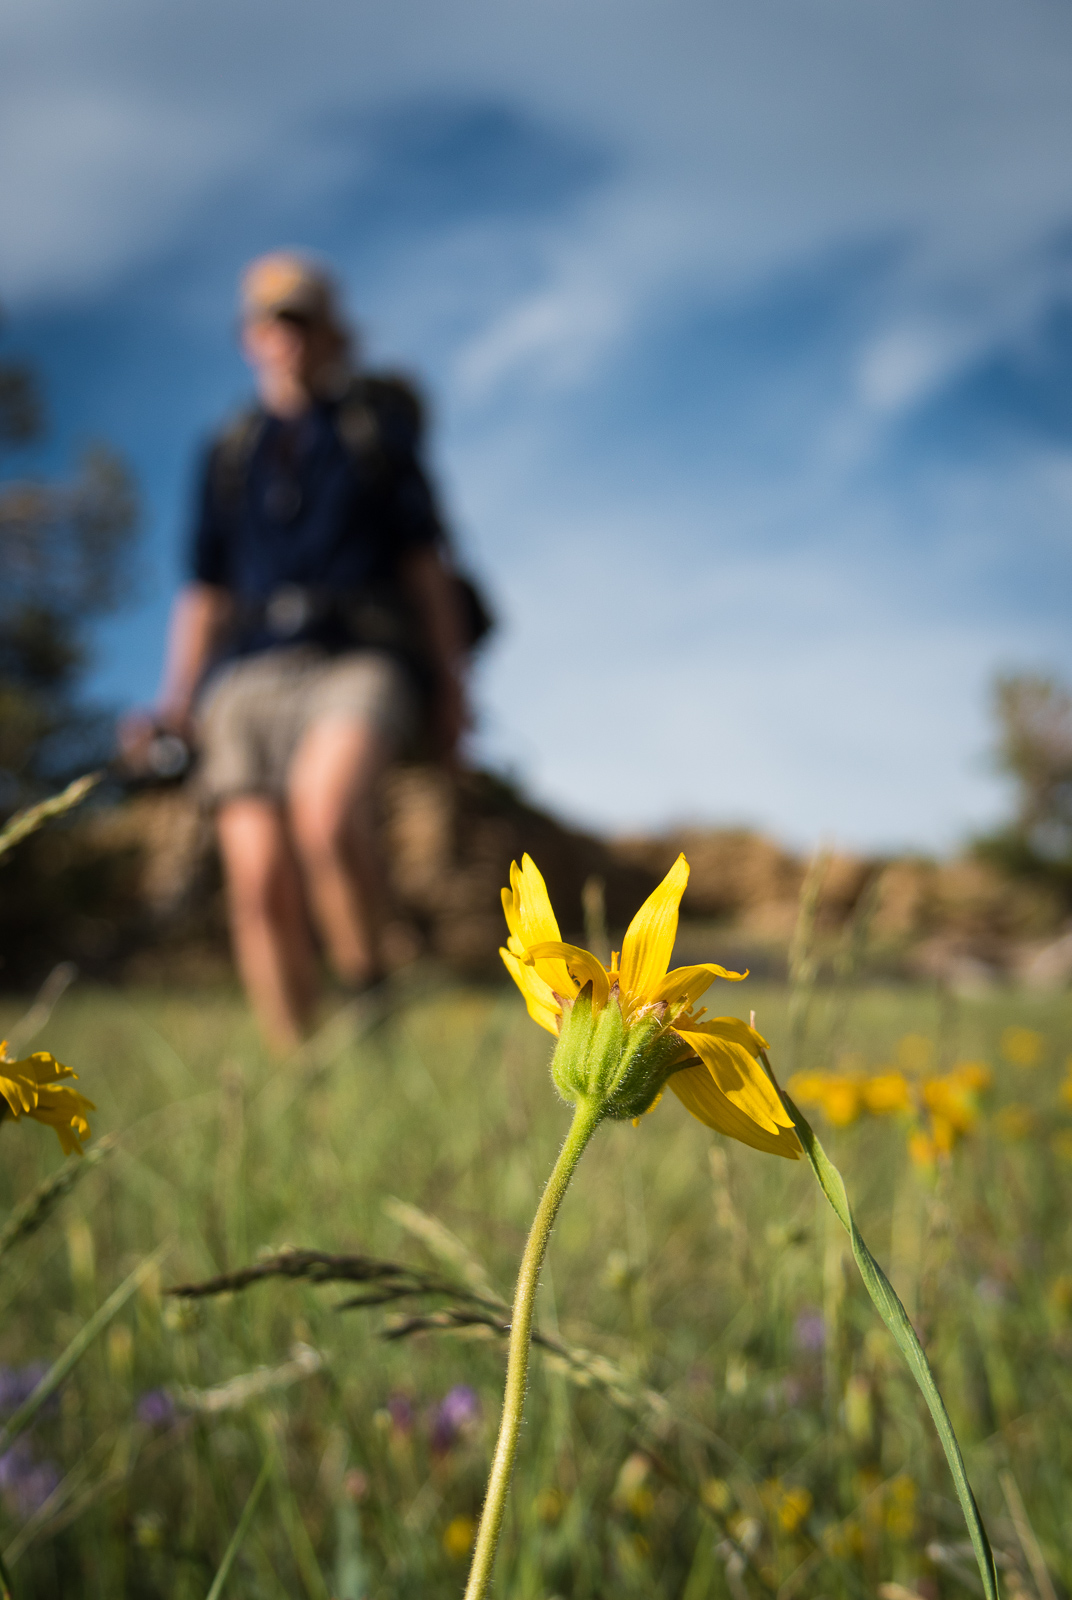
897,1320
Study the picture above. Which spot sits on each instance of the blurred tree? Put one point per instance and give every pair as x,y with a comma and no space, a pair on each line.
1034,747
64,563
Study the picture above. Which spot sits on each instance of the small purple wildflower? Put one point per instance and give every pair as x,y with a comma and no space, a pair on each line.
17,1384
400,1410
25,1482
36,1487
809,1330
792,1391
156,1409
454,1416
15,1463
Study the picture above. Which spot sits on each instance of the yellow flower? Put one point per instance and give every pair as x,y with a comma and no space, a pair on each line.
1022,1046
790,1505
32,1088
915,1052
922,1150
841,1099
952,1101
458,1537
1015,1122
971,1075
887,1092
901,1508
625,1033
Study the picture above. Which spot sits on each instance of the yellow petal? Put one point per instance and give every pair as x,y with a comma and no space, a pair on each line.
733,1028
583,966
531,920
537,921
20,1095
701,1096
740,1078
649,939
509,905
539,998
685,985
43,1067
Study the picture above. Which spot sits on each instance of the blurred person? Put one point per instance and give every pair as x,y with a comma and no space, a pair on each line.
319,636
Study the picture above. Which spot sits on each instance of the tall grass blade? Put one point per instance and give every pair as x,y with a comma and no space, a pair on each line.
242,1528
20,1420
48,997
35,1210
28,821
899,1324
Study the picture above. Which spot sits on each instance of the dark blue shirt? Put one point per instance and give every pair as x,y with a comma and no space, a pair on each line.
301,508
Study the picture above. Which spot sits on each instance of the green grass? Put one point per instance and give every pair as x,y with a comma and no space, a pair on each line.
756,1466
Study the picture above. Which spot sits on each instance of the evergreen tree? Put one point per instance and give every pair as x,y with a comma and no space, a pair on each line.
64,564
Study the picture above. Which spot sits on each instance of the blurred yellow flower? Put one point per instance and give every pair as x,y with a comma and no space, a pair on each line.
789,1505
1022,1046
458,1537
625,1033
631,1492
974,1076
1060,1293
842,1100
944,1108
1015,1122
887,1092
836,1094
716,1494
33,1088
901,1507
922,1149
944,1135
844,1097
550,1504
951,1102
915,1052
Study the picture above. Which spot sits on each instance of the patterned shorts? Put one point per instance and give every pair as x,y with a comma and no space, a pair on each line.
256,711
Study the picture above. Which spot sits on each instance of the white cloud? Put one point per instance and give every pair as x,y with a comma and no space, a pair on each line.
829,691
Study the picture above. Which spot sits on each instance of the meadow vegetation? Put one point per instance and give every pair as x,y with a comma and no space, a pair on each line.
720,1414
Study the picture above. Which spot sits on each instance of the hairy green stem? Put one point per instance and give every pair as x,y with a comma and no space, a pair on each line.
585,1120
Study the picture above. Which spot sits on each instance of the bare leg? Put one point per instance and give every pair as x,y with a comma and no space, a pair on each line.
332,791
269,927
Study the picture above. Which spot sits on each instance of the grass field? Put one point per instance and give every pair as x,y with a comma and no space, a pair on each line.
740,1424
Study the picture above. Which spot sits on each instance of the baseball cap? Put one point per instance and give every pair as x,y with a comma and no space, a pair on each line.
286,281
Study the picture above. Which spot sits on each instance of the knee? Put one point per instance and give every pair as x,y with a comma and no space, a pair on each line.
254,862
254,889
323,834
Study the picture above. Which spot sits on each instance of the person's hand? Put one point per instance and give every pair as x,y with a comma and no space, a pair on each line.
134,734
138,731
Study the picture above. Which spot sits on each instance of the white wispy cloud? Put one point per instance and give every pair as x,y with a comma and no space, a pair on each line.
805,643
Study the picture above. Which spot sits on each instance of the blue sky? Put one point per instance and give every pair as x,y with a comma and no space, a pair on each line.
748,327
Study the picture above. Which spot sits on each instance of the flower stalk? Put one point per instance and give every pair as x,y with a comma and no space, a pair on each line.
586,1118
623,1034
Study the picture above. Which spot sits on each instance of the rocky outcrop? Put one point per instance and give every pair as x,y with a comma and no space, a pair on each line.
150,902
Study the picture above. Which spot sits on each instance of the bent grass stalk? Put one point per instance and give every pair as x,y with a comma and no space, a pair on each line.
26,822
897,1321
586,1118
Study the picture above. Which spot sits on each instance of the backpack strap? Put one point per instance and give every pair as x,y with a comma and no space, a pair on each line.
380,420
232,452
